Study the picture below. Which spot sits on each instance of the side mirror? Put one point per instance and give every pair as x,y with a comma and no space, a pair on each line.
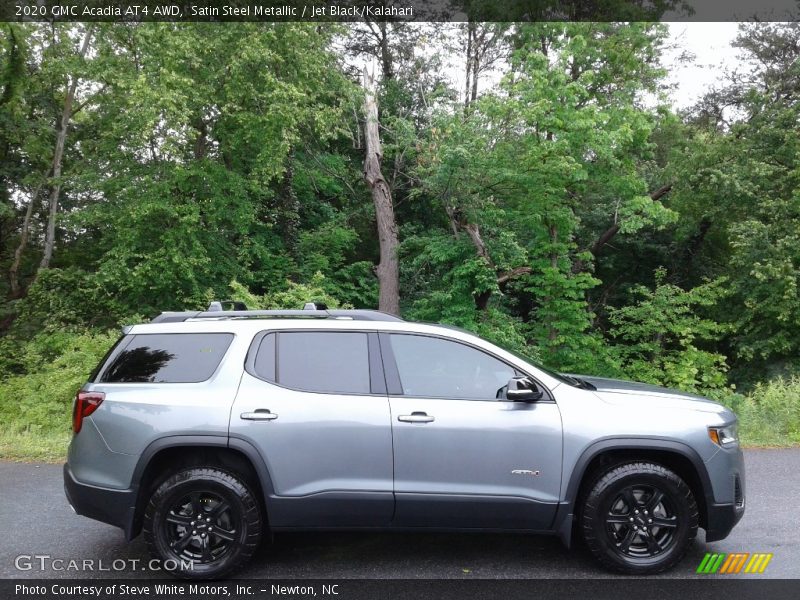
522,389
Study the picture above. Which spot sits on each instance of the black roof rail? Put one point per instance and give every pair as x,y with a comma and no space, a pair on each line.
217,314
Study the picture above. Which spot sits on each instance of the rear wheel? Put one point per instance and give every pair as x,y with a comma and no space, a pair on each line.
204,521
639,518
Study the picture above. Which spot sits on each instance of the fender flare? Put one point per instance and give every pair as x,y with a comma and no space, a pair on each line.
562,523
209,441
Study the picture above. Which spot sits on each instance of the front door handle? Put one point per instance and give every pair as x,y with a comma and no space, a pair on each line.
416,417
262,414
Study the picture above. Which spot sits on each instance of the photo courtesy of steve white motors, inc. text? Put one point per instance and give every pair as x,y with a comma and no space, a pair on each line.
173,589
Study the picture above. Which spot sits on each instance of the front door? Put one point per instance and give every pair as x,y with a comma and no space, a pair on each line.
314,405
463,455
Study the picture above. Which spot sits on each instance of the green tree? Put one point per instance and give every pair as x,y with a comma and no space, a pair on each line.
660,338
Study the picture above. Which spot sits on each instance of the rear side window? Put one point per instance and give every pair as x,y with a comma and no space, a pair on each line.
316,361
167,358
265,358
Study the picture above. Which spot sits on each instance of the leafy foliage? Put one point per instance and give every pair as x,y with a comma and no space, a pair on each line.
658,337
561,209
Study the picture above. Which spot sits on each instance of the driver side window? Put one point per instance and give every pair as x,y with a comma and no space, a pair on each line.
437,368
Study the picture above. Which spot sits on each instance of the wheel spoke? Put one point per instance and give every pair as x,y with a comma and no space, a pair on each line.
179,519
665,522
219,509
179,545
655,500
205,545
625,544
652,545
197,505
629,499
617,519
224,534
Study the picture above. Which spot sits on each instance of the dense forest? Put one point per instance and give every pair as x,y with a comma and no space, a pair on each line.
529,182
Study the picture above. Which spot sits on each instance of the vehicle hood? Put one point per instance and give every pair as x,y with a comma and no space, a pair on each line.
620,391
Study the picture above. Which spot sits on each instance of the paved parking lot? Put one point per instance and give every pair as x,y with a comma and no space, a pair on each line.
36,520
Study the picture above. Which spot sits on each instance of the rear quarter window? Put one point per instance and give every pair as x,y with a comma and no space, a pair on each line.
166,358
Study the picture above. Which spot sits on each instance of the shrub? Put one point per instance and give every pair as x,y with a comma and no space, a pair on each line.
57,364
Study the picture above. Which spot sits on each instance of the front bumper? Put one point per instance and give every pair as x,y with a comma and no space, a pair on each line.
115,507
725,507
721,520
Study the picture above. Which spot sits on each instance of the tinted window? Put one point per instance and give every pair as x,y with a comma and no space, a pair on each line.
265,358
168,358
440,368
331,362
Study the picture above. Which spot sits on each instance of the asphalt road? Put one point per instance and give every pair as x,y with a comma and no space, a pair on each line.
35,519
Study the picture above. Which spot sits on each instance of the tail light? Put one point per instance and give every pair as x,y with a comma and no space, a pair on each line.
85,404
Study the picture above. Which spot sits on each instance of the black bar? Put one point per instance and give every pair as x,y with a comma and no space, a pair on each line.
396,10
713,587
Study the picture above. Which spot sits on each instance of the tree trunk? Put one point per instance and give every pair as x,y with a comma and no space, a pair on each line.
289,207
552,330
388,268
66,116
474,233
387,67
13,271
476,64
468,69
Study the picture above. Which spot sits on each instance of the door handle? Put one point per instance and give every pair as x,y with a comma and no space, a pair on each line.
416,417
262,414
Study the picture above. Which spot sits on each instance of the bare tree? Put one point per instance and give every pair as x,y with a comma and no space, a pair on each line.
486,45
388,269
61,136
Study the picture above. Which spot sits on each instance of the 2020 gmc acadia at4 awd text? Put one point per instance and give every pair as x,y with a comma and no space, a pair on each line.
206,430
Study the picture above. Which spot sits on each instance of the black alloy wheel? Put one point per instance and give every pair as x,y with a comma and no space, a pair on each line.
639,518
203,523
641,521
201,527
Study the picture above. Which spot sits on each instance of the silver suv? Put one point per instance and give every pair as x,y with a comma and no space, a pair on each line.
206,430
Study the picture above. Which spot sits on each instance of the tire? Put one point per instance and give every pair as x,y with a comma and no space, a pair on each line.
639,518
217,544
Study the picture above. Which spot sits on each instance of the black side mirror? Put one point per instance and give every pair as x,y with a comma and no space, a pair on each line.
522,389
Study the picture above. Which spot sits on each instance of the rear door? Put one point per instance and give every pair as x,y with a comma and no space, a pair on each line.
464,456
314,404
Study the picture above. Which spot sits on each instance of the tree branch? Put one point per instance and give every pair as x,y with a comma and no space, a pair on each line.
609,233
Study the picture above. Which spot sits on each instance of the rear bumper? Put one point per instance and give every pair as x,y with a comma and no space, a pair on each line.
115,507
721,520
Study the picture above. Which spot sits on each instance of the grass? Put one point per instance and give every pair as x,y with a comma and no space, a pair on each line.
50,447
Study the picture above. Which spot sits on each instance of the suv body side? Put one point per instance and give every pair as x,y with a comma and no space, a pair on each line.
342,483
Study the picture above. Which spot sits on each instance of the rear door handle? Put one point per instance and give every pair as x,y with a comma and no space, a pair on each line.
262,414
416,417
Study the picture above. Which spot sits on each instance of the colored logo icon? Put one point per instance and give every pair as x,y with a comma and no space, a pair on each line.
734,563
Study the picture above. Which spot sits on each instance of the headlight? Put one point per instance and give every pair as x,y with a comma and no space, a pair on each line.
724,436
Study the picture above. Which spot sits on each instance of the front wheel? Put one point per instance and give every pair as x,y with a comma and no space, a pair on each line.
639,518
202,523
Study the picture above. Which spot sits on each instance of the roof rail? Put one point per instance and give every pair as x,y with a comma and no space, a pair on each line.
216,312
